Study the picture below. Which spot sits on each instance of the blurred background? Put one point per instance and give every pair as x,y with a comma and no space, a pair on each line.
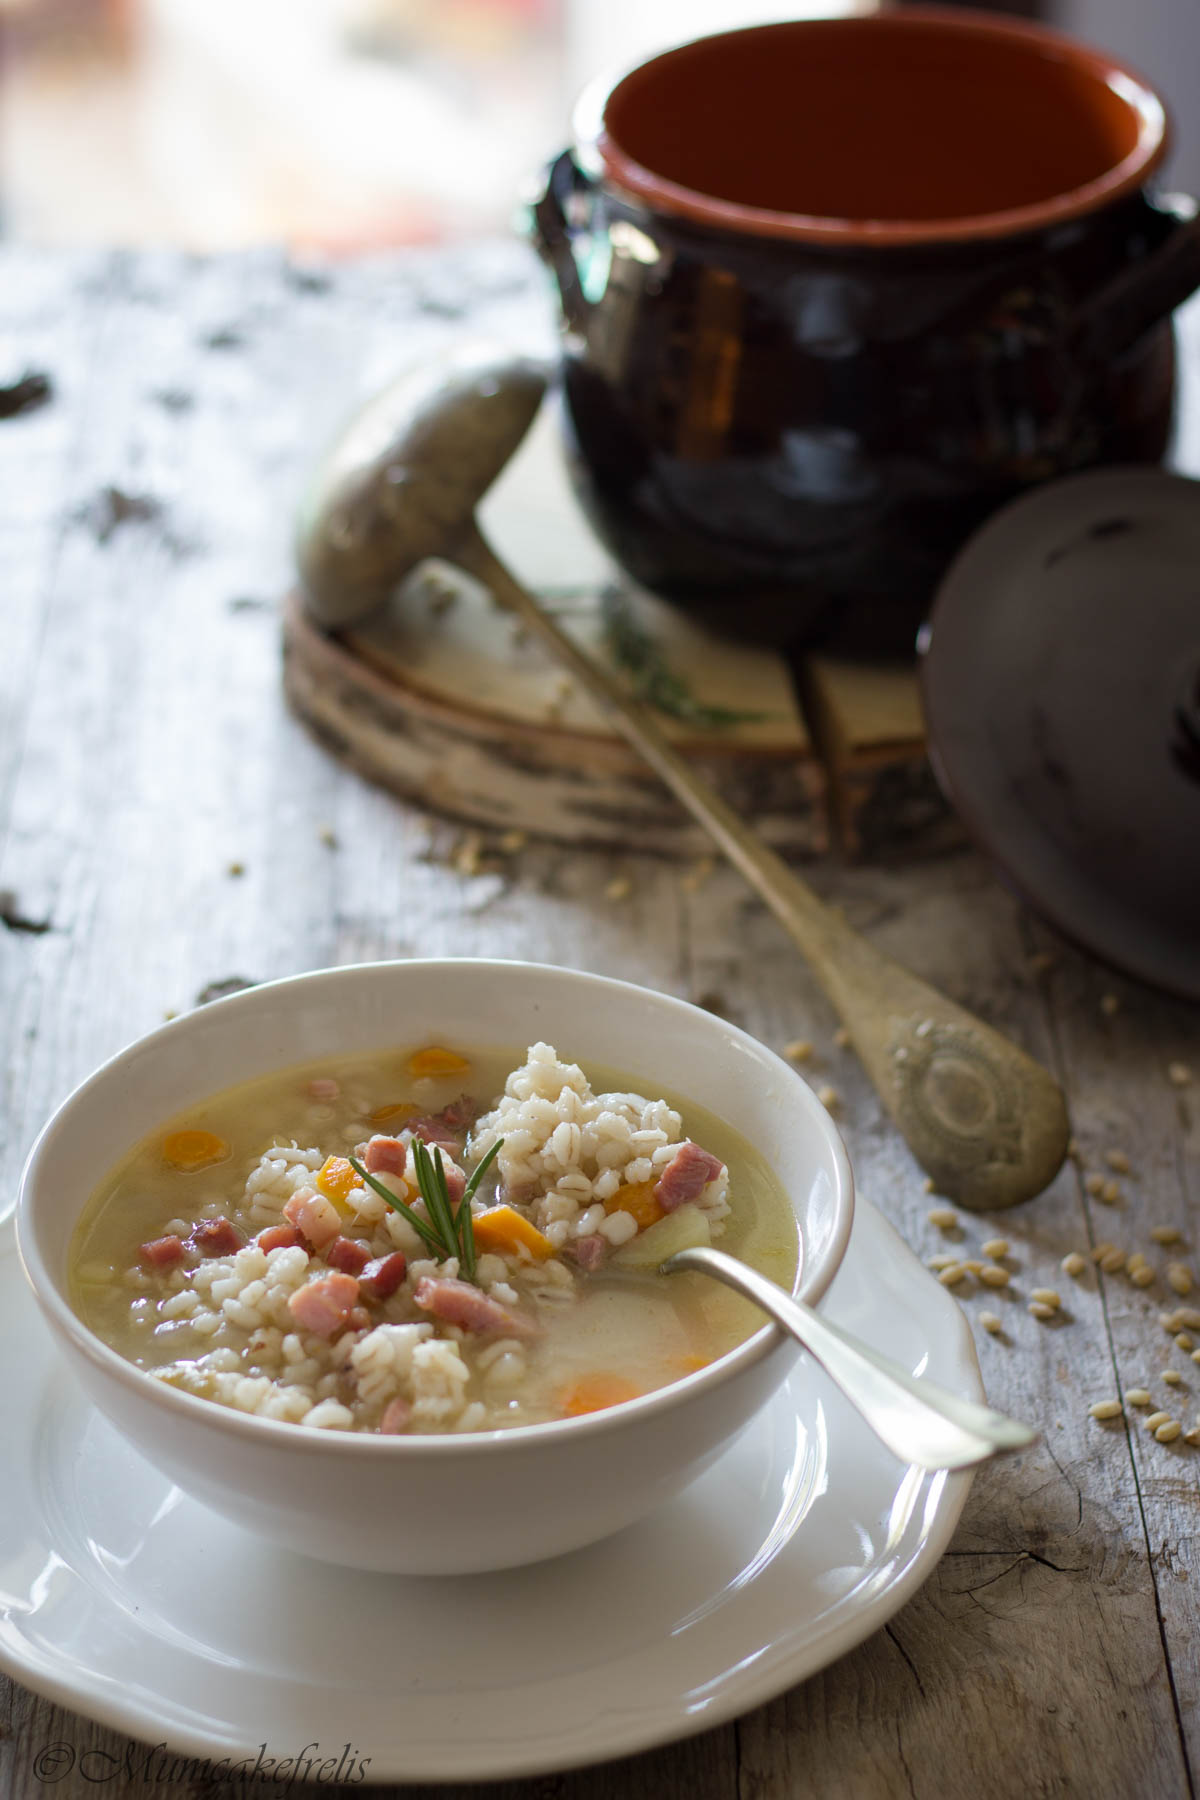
336,126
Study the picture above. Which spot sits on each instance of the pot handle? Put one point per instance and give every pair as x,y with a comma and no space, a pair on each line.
551,225
1150,288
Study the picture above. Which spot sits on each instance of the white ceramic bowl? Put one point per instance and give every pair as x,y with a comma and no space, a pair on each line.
488,1500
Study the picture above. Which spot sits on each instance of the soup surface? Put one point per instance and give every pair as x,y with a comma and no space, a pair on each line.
271,1249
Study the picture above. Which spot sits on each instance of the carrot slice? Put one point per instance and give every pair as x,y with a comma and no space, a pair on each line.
592,1393
336,1178
637,1198
503,1228
398,1109
433,1060
194,1149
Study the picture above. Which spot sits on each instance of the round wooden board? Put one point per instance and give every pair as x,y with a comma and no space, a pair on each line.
442,705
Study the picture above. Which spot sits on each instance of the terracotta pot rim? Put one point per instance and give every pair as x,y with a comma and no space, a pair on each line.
600,154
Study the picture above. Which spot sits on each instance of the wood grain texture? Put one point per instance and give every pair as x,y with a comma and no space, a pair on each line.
145,749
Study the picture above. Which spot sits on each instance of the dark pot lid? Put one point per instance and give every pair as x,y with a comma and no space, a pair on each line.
1060,675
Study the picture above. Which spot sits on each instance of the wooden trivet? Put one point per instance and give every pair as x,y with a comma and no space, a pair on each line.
867,723
440,700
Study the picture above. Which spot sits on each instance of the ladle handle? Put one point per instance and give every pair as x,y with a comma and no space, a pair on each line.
919,1421
984,1120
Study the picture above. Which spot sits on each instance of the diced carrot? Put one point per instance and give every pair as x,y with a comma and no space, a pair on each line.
592,1393
503,1228
399,1109
194,1149
636,1198
336,1178
433,1060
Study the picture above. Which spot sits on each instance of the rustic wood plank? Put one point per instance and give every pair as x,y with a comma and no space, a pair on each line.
1042,1625
155,751
52,314
146,749
157,637
1115,1064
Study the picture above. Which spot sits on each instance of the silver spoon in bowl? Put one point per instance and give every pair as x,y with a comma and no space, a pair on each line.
919,1421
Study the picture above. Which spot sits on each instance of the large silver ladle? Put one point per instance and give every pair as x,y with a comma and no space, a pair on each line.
986,1122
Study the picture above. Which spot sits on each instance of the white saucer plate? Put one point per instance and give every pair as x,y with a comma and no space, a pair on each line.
127,1601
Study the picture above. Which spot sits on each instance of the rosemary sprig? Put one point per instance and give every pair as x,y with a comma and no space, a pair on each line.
448,1231
385,1193
634,650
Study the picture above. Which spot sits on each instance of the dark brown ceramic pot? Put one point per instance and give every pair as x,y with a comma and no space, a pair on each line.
835,290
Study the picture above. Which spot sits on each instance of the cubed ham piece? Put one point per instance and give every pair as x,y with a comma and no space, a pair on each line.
386,1155
458,1303
314,1216
384,1275
278,1237
686,1176
324,1087
396,1415
161,1253
216,1237
456,1181
346,1255
449,1127
431,1133
590,1251
324,1306
460,1114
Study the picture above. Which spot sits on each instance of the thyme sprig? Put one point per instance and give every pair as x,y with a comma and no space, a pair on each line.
448,1230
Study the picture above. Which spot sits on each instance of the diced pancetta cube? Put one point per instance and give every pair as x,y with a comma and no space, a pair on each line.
456,1181
396,1415
686,1176
431,1133
384,1275
346,1255
161,1253
589,1251
386,1155
216,1237
324,1306
314,1216
448,1127
279,1237
458,1303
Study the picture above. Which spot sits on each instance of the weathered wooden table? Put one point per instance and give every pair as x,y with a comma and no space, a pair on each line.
165,825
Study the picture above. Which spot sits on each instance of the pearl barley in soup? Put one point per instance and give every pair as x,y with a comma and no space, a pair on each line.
433,1239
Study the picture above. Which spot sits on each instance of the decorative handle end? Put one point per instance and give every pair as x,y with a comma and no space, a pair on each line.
987,1122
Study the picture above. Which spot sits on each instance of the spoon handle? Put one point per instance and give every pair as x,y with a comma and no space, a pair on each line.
919,1421
985,1121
